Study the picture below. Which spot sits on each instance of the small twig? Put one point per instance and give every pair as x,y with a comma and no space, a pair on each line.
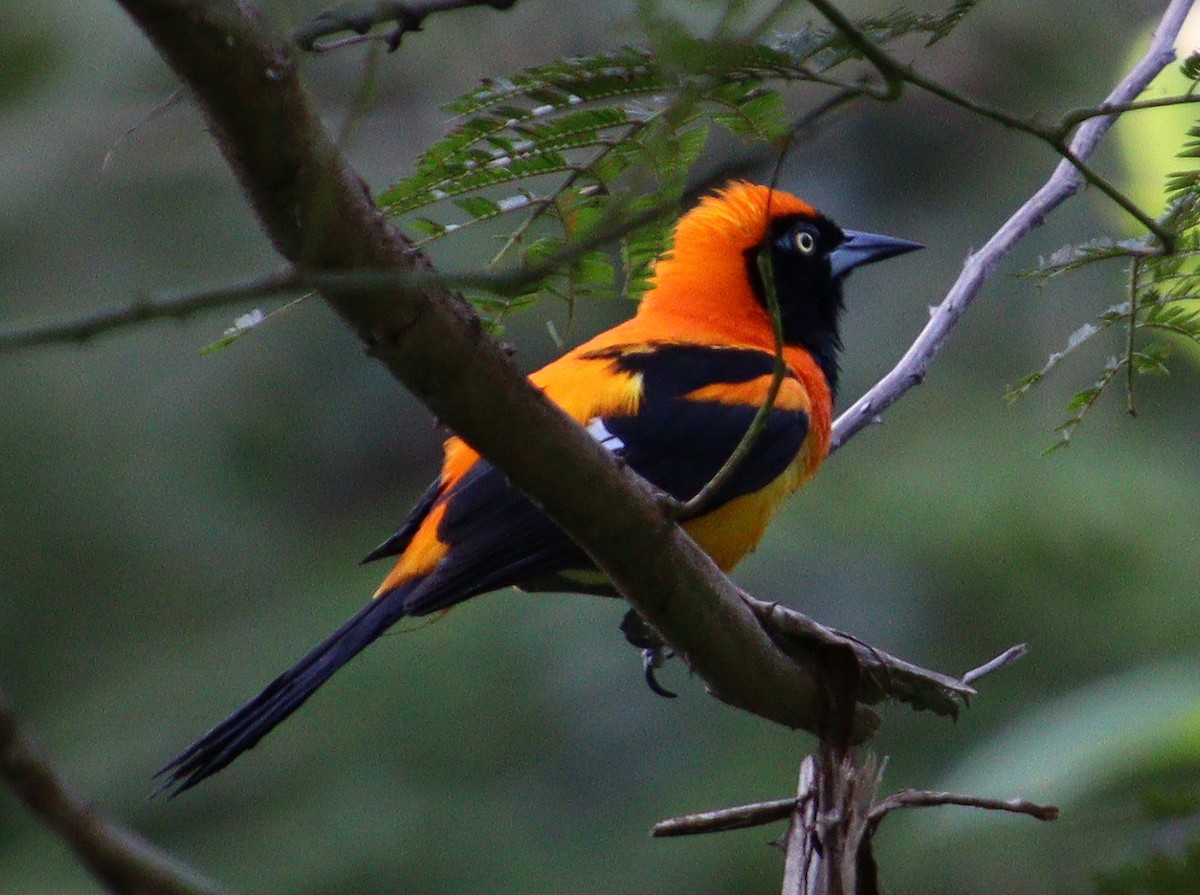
168,306
918,798
893,74
701,500
882,676
1135,269
1006,658
361,18
759,813
123,862
740,817
1093,178
1075,117
162,108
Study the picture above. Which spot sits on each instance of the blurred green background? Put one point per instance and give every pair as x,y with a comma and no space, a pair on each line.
178,528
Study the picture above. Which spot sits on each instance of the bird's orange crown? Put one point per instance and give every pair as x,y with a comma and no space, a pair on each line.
738,215
702,283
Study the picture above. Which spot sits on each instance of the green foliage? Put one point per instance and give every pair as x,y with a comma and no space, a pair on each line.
823,47
1191,67
1164,291
555,149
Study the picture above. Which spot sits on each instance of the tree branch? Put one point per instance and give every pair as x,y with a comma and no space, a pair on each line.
1064,182
120,859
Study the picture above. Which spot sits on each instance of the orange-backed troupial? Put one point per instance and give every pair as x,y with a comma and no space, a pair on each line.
671,391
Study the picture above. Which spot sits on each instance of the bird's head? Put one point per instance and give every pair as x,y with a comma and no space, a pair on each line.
718,248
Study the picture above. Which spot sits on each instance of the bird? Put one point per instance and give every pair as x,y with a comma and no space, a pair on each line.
670,391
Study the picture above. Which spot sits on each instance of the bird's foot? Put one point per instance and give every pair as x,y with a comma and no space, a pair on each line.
655,651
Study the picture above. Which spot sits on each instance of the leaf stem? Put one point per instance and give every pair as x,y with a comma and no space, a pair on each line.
1130,403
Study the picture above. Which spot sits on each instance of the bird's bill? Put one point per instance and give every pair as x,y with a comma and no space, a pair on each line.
859,248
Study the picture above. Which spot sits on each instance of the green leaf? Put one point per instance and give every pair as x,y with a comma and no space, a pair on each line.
1076,340
1083,401
1191,66
1150,362
478,206
1018,389
247,322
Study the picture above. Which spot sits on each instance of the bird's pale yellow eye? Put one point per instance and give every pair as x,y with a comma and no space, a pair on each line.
805,242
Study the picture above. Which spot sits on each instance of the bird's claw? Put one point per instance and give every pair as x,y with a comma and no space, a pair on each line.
655,652
653,658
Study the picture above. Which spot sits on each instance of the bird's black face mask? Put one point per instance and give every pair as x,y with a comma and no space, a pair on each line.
809,257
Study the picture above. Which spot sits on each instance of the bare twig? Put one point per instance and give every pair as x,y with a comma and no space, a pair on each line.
740,817
125,863
828,843
1135,267
1006,658
893,74
1063,183
880,675
176,96
172,306
919,798
362,17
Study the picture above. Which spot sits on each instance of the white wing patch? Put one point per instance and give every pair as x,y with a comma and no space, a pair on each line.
599,431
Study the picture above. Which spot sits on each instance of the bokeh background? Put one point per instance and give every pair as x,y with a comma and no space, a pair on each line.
179,527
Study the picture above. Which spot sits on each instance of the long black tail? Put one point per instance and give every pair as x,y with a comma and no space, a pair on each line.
249,724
